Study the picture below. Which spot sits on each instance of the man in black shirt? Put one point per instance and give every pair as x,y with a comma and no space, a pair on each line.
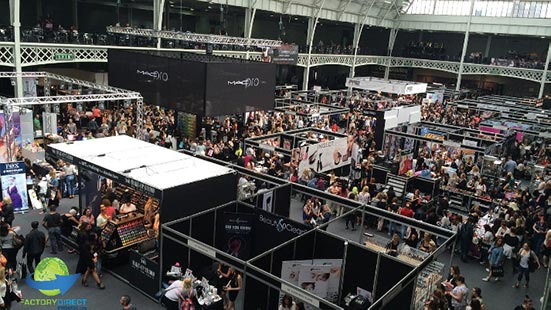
52,221
35,242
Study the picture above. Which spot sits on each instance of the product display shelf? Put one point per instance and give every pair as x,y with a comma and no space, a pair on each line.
124,233
136,197
428,279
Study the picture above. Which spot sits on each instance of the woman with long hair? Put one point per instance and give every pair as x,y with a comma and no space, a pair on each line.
495,258
233,287
87,262
87,217
526,258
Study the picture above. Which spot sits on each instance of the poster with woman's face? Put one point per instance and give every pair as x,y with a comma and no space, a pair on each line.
14,184
14,136
315,279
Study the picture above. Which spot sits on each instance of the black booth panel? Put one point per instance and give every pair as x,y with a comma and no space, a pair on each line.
283,200
390,273
282,254
263,262
271,230
182,227
195,197
402,301
202,228
328,247
359,269
172,252
379,175
304,248
164,81
256,295
236,88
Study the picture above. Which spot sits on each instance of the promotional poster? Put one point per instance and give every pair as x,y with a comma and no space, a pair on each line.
237,229
319,276
325,156
14,184
14,135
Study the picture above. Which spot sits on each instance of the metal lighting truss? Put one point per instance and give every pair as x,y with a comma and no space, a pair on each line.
194,37
110,93
42,53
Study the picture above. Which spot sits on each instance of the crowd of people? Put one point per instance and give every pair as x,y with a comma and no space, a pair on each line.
521,214
511,59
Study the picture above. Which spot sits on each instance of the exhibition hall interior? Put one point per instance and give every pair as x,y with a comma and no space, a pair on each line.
275,154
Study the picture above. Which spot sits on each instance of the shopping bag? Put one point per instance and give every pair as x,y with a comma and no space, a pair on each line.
497,271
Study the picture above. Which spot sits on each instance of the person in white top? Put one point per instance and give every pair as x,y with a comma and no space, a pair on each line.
127,207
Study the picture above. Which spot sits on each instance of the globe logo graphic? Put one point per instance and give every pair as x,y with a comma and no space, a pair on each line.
51,270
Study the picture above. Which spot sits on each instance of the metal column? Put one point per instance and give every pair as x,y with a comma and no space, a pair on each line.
309,40
488,46
465,44
312,24
16,23
158,8
75,13
250,13
545,69
355,43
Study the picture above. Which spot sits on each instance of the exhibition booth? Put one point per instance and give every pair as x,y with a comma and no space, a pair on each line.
400,167
280,256
26,135
312,148
162,185
386,85
218,85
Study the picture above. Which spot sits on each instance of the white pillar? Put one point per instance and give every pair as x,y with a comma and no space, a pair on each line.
249,22
16,23
355,44
465,44
309,41
158,9
545,68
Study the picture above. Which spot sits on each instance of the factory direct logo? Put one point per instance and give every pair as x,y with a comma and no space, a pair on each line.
52,278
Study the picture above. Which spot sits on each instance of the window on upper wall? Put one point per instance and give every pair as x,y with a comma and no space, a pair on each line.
489,8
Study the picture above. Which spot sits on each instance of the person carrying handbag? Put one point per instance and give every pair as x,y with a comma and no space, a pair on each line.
495,258
527,262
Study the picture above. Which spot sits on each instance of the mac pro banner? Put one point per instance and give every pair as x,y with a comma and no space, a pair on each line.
236,88
198,84
161,79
